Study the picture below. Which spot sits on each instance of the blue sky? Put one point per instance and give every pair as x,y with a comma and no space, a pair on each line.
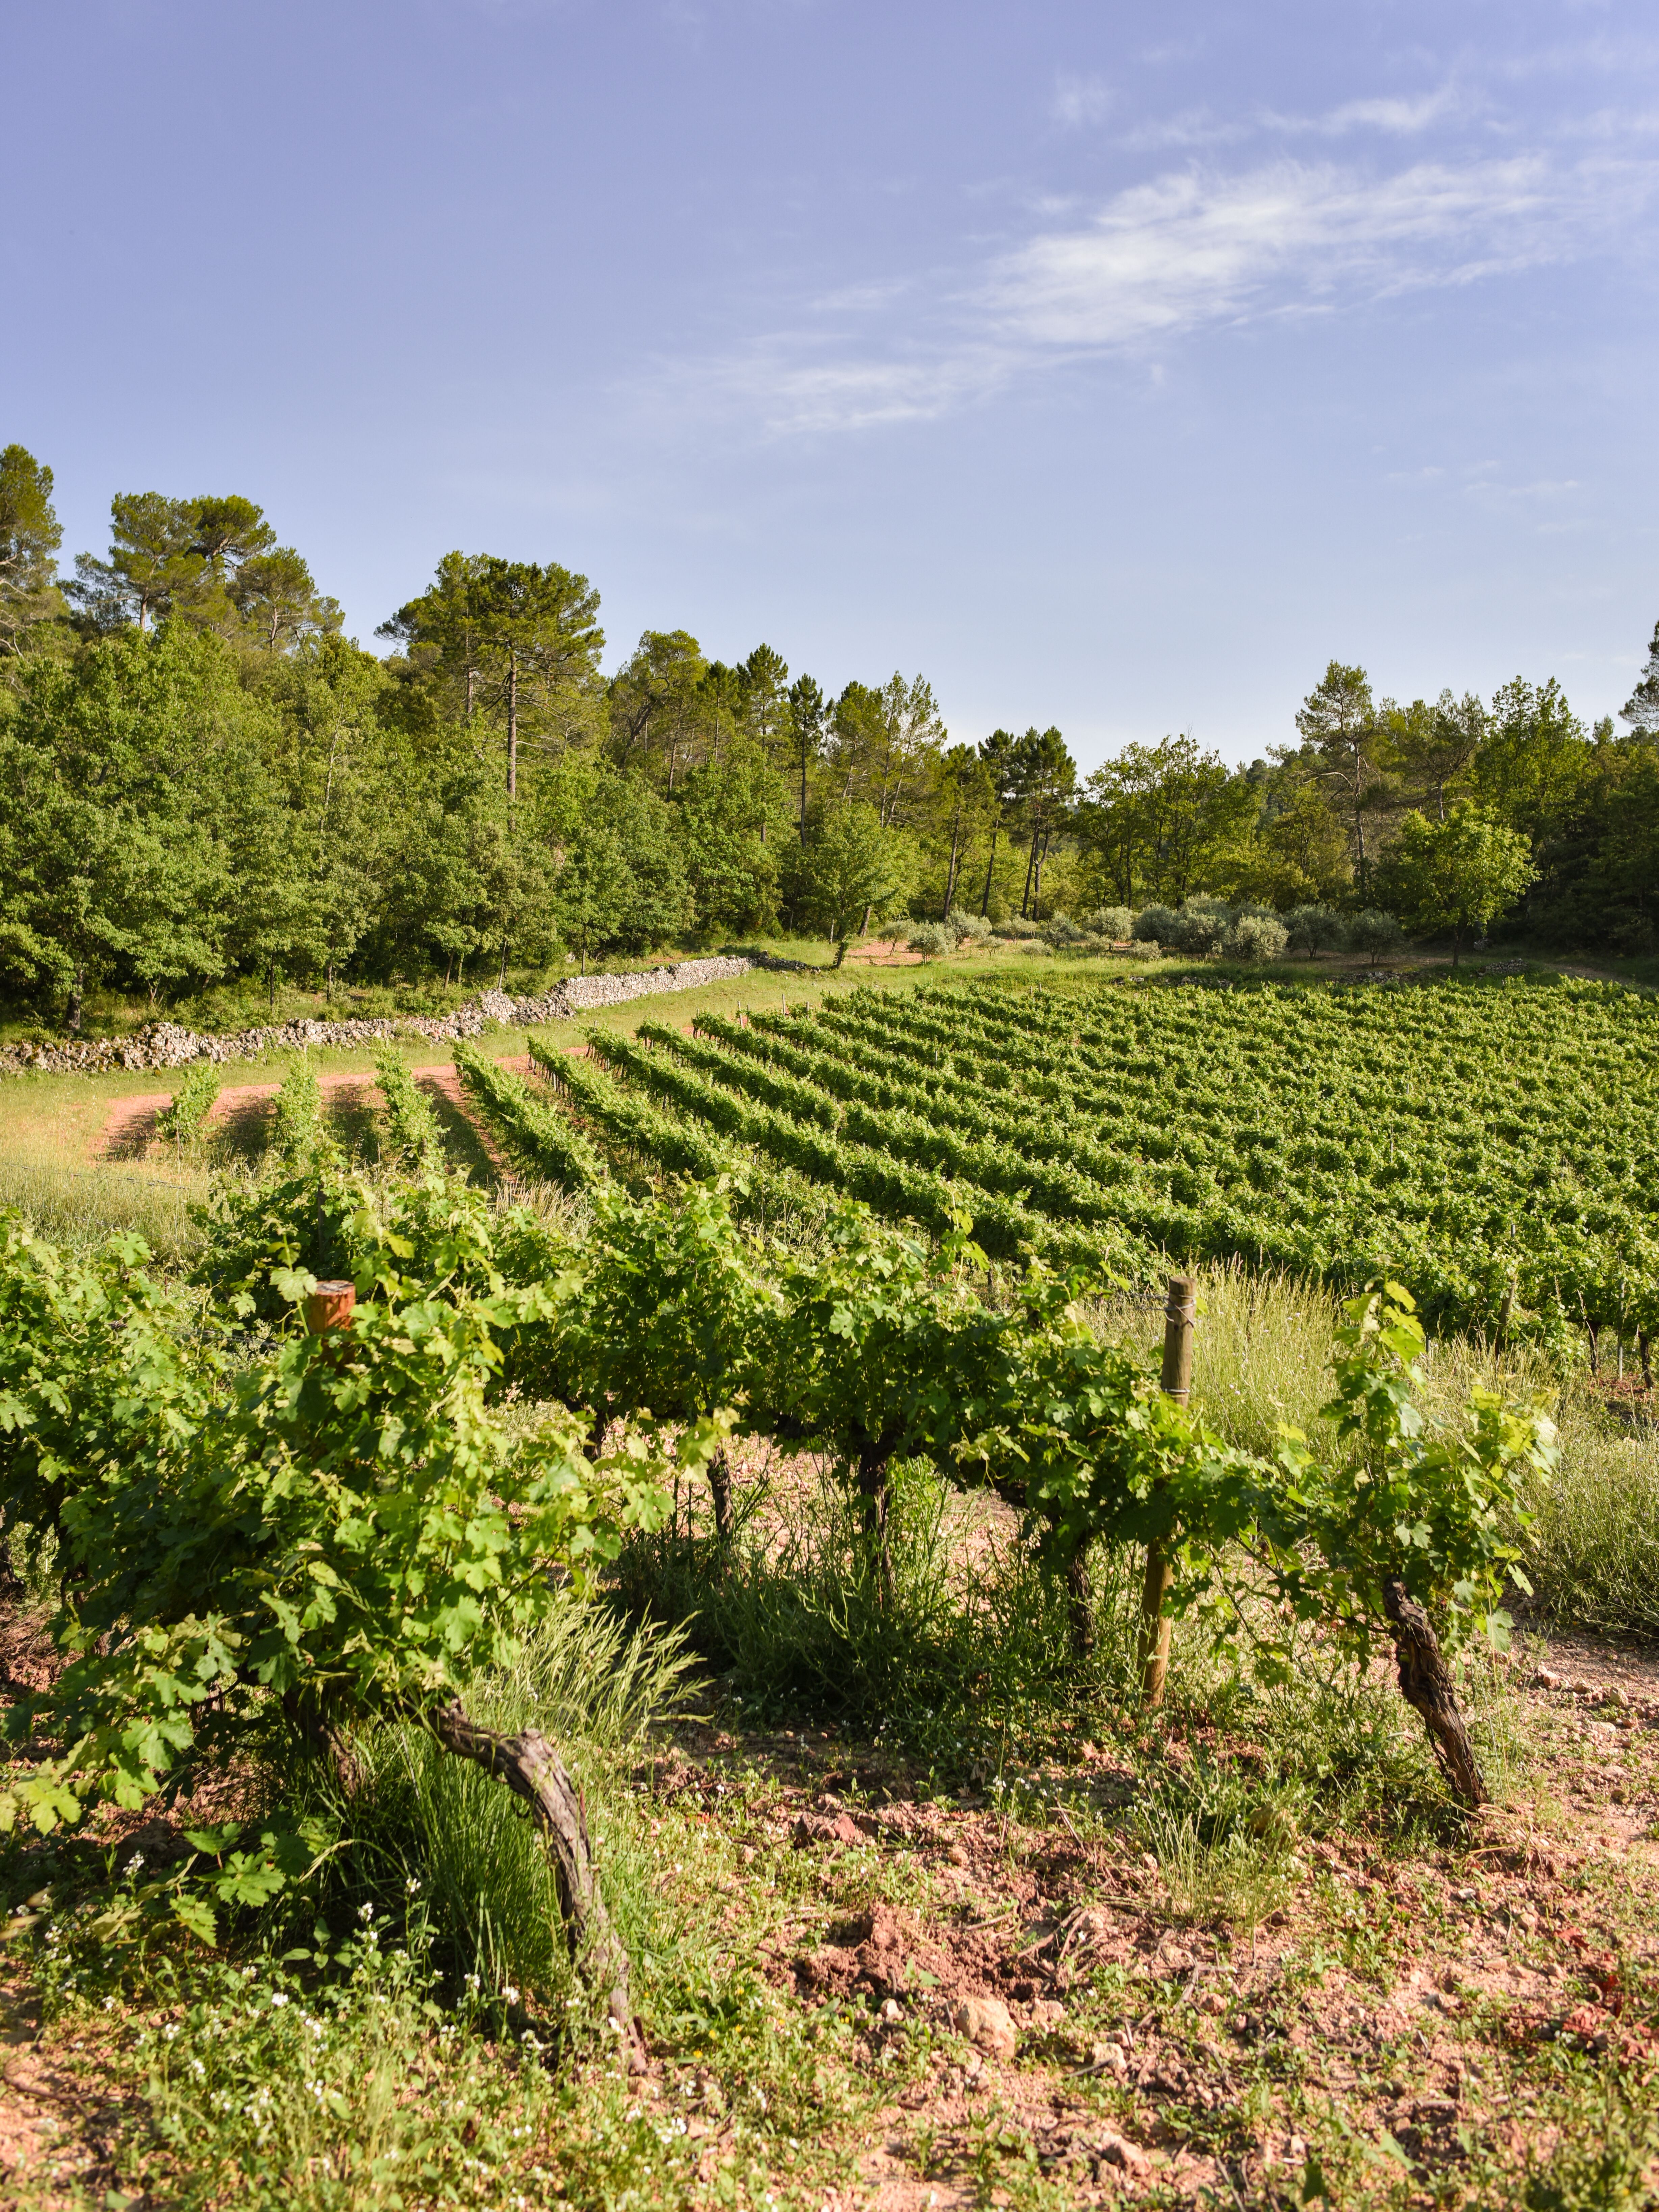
1114,366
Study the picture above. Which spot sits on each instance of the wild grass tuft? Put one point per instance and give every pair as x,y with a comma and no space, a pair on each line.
423,1825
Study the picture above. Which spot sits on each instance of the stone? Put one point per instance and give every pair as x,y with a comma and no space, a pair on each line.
166,1044
1127,2157
821,1828
986,2022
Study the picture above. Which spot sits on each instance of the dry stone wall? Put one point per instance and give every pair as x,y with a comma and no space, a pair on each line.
165,1044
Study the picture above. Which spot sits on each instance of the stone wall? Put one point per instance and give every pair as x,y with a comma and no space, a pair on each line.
165,1044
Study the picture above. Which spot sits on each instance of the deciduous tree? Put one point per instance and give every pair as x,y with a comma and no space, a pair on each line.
1457,874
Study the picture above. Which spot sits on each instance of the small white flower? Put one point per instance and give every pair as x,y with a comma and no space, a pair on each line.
135,1863
365,1912
509,1994
278,1997
412,1885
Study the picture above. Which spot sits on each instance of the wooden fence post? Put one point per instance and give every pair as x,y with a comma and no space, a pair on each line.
1180,1314
329,1309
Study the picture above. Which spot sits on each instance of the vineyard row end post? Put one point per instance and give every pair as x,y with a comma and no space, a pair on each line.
1180,1316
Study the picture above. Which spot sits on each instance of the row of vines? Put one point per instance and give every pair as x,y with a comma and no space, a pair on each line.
1494,1148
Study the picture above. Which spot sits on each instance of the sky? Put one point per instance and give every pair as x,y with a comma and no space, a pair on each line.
1113,367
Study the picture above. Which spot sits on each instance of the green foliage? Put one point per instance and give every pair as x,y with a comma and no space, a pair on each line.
29,536
346,1533
414,1137
848,865
1495,1179
1392,1499
1457,874
183,1119
538,1137
296,1126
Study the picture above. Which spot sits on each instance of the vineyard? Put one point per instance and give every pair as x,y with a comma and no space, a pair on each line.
386,1504
1495,1149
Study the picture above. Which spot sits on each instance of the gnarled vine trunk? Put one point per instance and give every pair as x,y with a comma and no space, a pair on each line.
533,1770
1426,1683
720,1490
1080,1606
875,1494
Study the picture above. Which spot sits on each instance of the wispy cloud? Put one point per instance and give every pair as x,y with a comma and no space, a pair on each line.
1081,100
1401,118
1168,258
1190,249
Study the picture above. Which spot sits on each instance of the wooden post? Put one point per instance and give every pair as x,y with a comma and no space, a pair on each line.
330,1306
1180,1314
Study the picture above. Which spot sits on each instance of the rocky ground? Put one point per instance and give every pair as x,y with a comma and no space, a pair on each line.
1002,1997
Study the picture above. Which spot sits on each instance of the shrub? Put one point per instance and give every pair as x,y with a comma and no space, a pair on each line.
1115,922
1157,925
933,939
1020,926
1060,929
1198,930
1315,929
1374,934
1257,937
969,928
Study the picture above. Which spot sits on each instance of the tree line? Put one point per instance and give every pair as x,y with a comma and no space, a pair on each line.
202,778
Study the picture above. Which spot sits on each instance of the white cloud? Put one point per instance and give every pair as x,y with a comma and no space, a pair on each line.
1079,100
1162,260
1402,118
1189,249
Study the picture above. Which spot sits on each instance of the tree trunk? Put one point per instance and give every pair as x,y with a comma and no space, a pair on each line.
1359,820
873,1491
985,904
1179,1319
719,1489
1426,1683
1080,1606
1037,878
512,726
533,1770
951,872
78,991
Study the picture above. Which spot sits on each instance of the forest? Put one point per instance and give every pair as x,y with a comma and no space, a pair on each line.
203,779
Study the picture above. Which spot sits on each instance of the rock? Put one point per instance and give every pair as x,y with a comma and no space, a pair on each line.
1127,2157
165,1044
1109,2058
822,1828
957,1856
986,2022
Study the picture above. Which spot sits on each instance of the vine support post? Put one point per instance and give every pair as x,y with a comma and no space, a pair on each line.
1180,1316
